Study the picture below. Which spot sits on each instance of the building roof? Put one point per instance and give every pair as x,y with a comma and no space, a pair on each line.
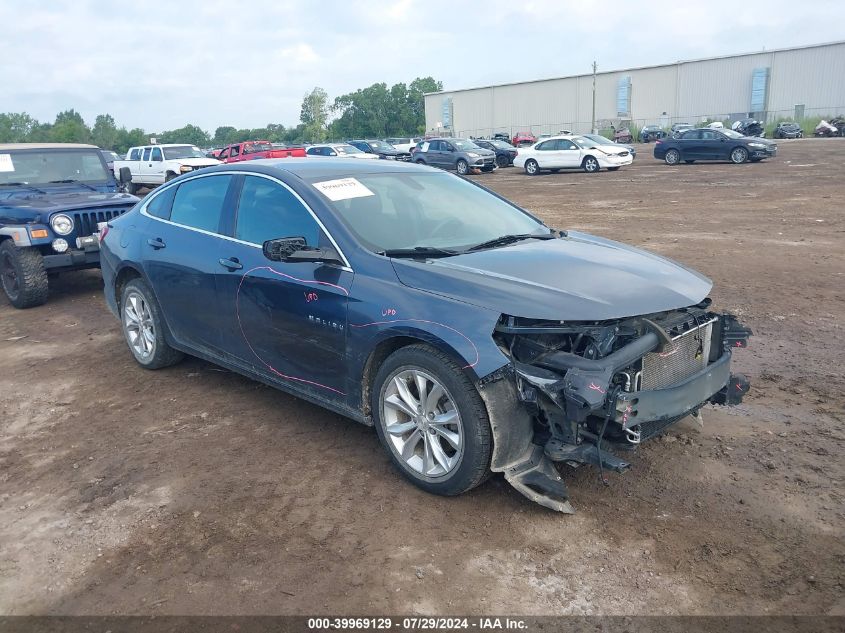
6,147
625,70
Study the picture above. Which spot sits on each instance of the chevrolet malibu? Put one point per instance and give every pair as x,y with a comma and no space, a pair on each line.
473,337
571,152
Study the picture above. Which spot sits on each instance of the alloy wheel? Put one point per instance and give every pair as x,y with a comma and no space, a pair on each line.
138,323
591,164
421,423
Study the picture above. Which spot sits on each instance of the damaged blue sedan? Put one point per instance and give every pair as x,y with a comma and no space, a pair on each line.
473,337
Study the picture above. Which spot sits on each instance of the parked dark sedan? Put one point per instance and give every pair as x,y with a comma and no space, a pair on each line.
713,144
650,133
472,336
381,149
788,129
505,152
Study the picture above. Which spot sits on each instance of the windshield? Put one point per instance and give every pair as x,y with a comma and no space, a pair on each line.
501,144
46,166
347,149
407,210
583,141
182,151
464,144
730,133
380,145
597,139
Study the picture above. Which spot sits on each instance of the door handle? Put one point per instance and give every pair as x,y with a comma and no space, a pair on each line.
231,264
156,243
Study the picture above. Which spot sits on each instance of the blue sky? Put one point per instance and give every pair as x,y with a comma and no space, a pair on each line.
160,65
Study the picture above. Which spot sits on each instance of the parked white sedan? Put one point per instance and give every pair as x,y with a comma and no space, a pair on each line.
571,152
341,150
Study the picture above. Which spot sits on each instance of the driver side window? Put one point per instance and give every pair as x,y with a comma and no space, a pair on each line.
156,154
563,143
268,211
234,151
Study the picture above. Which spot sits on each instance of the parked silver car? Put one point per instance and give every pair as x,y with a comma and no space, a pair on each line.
460,154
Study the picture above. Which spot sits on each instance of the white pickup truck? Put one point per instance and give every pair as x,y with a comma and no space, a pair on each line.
151,165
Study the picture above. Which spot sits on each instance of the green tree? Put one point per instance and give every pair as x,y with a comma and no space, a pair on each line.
70,128
15,127
314,114
191,134
223,135
104,133
130,138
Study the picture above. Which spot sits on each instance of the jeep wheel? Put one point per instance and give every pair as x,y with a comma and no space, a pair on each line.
462,166
23,276
532,167
591,165
429,416
143,327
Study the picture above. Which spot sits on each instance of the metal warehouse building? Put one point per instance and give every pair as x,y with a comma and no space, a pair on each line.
799,83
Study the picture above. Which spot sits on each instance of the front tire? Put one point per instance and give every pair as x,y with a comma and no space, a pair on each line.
739,155
462,167
23,276
591,165
432,421
143,327
672,157
532,167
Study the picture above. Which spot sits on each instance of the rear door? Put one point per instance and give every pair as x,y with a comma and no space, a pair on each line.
547,155
288,320
690,145
181,243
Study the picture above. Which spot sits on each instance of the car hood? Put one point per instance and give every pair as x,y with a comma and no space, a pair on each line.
197,162
45,205
577,278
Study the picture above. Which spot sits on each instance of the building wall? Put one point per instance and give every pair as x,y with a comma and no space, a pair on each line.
684,91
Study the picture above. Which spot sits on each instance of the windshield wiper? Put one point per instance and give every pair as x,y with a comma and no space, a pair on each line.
72,180
21,184
510,239
419,251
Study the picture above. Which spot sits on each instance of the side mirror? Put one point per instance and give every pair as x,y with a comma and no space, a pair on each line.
295,249
125,176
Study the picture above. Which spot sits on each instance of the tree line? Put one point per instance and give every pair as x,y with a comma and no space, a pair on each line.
373,112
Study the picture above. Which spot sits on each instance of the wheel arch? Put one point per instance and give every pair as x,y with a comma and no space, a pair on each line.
395,341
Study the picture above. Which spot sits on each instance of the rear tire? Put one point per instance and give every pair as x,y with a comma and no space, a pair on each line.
532,167
672,157
143,327
502,161
23,276
464,445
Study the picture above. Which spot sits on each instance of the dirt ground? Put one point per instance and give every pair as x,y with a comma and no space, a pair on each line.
195,491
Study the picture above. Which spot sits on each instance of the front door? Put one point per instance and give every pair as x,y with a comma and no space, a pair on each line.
286,320
181,243
568,153
712,146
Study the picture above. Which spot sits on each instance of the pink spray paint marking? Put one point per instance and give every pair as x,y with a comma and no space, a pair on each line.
477,357
246,339
310,296
595,387
388,312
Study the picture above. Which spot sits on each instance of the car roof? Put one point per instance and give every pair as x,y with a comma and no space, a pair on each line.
13,146
310,168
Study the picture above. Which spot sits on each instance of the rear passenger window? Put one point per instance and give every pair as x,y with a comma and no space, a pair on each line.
198,203
160,205
268,211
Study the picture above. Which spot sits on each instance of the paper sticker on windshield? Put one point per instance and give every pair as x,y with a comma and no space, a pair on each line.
342,189
6,162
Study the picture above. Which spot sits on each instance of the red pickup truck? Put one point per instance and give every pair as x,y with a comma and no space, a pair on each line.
250,150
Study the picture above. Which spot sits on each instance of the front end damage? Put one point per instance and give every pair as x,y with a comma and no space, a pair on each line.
577,392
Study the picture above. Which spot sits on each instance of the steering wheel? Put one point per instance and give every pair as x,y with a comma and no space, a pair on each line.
443,224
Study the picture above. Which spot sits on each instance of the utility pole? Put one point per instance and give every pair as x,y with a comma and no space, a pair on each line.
593,126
